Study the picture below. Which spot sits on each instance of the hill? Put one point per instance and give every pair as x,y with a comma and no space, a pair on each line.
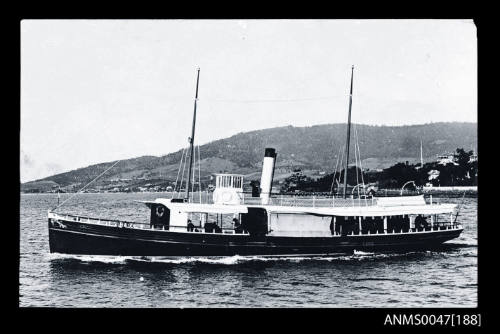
314,149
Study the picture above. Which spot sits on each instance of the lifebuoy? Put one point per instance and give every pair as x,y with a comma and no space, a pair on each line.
160,210
224,197
227,196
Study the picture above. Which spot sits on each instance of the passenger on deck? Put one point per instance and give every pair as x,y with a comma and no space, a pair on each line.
406,224
212,227
237,226
345,229
209,227
190,226
420,222
217,229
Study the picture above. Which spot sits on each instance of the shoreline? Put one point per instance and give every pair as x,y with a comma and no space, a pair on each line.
381,193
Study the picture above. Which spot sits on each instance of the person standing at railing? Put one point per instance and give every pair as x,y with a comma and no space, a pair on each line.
212,227
217,229
208,227
421,222
237,226
190,226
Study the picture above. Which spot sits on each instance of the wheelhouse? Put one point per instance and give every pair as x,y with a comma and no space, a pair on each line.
228,189
231,181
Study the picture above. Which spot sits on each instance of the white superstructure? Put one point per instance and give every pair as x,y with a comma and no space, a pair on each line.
228,189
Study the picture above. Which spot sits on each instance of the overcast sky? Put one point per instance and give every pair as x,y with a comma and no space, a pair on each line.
100,90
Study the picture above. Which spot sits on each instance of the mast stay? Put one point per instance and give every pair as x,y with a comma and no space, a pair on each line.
348,135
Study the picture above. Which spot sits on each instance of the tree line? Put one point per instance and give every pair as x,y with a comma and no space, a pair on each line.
462,170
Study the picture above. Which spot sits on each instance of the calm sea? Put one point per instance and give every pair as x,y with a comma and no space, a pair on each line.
415,279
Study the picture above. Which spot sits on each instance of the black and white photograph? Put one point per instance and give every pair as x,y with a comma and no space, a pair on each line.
249,163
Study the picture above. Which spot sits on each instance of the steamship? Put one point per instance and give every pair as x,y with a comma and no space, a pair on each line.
262,225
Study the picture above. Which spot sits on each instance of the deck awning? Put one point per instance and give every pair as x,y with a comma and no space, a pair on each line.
350,211
367,211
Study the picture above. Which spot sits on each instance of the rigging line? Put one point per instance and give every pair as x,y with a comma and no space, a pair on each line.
194,172
359,155
274,100
360,164
88,184
178,171
184,169
356,164
199,174
363,191
340,165
182,174
191,195
335,172
342,147
356,157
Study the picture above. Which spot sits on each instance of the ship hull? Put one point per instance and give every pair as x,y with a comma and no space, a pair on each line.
91,239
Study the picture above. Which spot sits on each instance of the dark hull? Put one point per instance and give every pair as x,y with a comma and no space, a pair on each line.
93,239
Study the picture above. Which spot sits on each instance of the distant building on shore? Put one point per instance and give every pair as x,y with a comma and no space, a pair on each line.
447,158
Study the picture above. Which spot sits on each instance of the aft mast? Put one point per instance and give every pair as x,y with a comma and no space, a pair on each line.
191,139
348,135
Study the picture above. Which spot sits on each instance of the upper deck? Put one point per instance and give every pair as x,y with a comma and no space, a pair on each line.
382,206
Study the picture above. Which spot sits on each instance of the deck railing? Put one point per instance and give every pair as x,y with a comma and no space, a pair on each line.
136,225
436,226
295,200
99,221
313,201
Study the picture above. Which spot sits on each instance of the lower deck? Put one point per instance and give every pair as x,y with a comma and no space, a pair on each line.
84,235
339,226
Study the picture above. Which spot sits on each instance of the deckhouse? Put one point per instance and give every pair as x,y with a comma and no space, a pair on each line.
228,189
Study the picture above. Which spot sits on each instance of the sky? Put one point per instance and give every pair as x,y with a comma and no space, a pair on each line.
101,90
